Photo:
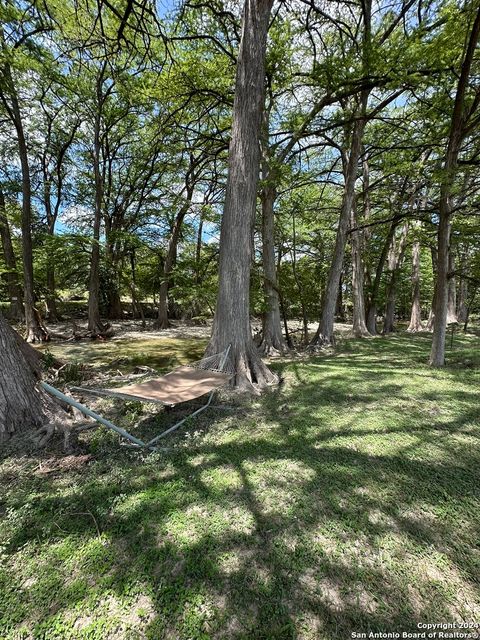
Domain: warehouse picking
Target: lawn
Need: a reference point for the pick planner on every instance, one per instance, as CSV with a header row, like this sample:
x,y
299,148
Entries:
x,y
346,500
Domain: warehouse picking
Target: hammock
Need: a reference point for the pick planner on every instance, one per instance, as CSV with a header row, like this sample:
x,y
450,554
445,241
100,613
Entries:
x,y
180,385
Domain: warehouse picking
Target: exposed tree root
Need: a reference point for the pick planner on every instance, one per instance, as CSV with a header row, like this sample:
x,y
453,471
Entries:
x,y
389,329
415,328
96,330
251,373
269,351
268,346
56,430
36,331
321,341
161,323
362,333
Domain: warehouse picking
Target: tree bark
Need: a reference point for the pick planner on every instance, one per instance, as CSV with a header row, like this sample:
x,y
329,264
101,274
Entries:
x,y
95,325
231,323
324,334
359,325
162,321
11,275
114,301
373,298
462,289
23,406
452,290
416,313
298,283
50,298
272,337
34,331
340,309
431,315
460,117
395,262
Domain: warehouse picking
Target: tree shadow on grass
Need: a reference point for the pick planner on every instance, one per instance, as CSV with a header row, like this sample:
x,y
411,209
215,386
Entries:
x,y
300,520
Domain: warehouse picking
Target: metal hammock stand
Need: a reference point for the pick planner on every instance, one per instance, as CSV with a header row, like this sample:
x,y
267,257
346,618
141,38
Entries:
x,y
180,385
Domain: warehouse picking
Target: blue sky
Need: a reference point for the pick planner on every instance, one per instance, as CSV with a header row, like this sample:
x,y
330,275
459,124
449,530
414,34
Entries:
x,y
164,6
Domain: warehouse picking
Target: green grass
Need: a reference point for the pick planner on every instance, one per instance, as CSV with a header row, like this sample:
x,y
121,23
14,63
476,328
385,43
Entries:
x,y
125,354
346,500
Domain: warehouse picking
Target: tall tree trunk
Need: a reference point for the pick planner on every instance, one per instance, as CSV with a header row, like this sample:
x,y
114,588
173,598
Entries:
x,y
359,325
460,117
324,334
373,298
34,331
95,325
162,321
114,302
198,249
431,315
416,313
462,288
452,290
114,267
272,337
340,309
23,406
297,282
469,307
11,276
395,263
50,298
231,324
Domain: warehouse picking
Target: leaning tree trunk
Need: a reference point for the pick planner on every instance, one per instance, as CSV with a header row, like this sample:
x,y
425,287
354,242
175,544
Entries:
x,y
324,334
51,313
460,117
416,313
231,323
162,321
23,406
272,336
359,326
34,331
373,298
11,276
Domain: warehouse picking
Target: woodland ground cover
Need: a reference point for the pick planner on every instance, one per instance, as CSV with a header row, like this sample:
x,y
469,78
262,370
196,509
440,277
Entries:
x,y
347,499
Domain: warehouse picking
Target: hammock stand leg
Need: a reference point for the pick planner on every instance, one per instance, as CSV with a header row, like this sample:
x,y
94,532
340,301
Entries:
x,y
88,412
179,424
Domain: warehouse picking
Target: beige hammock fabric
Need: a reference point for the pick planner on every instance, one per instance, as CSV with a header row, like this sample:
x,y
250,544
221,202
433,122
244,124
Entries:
x,y
184,383
181,385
